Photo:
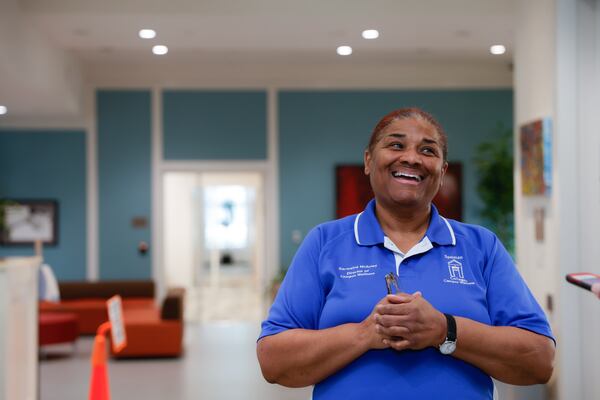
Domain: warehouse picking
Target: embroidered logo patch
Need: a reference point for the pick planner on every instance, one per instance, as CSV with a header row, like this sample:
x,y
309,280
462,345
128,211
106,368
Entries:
x,y
357,271
455,271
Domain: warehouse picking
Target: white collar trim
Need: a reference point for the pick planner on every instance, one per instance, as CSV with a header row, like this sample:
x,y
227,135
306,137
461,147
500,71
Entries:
x,y
356,228
451,230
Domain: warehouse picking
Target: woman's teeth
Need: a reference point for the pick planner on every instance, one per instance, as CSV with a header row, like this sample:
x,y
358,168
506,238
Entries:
x,y
405,175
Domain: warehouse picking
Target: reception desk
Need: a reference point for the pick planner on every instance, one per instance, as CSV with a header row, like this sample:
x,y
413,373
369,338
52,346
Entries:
x,y
19,328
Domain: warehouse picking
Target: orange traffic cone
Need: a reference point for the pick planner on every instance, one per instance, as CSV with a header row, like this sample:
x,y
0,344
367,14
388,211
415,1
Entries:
x,y
99,387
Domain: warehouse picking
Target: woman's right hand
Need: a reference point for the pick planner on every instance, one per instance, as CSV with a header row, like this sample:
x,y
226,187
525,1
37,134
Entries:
x,y
302,357
368,328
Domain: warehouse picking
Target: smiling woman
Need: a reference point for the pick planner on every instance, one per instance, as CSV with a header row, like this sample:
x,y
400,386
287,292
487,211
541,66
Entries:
x,y
406,164
462,313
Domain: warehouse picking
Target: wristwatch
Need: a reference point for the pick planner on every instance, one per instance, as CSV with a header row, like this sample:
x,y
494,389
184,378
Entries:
x,y
449,344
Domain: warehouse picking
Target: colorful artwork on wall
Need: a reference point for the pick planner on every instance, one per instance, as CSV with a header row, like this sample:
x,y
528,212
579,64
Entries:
x,y
536,158
354,191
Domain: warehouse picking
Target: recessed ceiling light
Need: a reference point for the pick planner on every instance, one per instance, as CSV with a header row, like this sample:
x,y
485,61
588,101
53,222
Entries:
x,y
147,33
160,50
344,50
3,110
497,49
370,34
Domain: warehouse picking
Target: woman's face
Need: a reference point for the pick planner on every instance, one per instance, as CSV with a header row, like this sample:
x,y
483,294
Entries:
x,y
406,165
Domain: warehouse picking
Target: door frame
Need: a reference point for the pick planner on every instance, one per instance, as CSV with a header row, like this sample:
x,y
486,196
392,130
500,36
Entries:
x,y
268,168
200,168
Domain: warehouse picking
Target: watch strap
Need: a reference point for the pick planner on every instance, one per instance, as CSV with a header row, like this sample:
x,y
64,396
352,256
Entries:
x,y
451,334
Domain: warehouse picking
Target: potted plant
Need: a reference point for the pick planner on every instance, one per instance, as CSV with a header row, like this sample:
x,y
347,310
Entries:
x,y
494,162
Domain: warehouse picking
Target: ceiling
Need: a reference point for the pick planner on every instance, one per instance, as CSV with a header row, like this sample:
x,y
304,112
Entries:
x,y
442,28
307,31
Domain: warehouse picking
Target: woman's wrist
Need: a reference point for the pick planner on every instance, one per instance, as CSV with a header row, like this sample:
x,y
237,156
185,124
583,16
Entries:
x,y
367,337
442,329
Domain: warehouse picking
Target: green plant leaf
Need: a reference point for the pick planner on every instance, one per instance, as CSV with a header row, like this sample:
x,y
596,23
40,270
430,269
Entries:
x,y
495,186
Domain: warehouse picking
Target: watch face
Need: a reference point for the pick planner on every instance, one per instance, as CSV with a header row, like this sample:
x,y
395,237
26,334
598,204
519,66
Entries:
x,y
447,347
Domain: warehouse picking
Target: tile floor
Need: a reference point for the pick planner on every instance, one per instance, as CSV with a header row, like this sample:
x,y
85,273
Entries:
x,y
219,363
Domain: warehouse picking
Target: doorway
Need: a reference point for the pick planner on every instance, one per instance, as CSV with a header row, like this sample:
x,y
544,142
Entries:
x,y
214,242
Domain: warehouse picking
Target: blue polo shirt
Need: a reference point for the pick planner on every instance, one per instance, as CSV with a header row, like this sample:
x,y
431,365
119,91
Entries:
x,y
337,277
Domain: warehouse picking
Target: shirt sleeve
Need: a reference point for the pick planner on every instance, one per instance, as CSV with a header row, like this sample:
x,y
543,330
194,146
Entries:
x,y
299,301
510,302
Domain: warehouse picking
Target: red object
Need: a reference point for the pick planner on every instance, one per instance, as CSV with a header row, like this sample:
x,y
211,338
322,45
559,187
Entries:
x,y
91,312
99,386
57,328
152,330
448,199
150,337
353,190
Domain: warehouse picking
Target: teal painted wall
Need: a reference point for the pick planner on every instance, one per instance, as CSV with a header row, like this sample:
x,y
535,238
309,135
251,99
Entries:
x,y
214,125
320,129
124,182
49,165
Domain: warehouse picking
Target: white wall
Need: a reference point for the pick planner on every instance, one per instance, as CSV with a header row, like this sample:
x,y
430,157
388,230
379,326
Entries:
x,y
556,75
292,71
178,239
534,78
589,172
36,78
534,87
578,33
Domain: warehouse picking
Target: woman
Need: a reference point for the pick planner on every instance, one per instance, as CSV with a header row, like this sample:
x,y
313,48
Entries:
x,y
463,313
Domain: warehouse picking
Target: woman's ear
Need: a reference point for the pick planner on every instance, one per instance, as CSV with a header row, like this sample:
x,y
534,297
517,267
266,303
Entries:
x,y
444,169
367,161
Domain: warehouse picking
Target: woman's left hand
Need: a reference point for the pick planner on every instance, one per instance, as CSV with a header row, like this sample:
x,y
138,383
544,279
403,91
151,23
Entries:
x,y
411,320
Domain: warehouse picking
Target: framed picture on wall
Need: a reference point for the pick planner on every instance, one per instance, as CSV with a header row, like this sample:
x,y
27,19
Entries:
x,y
536,157
353,191
25,221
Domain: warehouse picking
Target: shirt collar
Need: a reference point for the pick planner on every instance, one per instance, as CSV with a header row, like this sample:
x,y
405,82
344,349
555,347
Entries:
x,y
368,232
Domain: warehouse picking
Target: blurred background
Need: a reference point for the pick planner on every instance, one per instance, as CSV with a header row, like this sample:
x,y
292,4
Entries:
x,y
193,144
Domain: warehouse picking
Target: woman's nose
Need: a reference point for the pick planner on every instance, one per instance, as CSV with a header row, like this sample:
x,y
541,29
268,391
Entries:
x,y
411,156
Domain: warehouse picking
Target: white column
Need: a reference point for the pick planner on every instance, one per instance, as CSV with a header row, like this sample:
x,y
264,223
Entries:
x,y
272,190
156,222
534,98
578,73
569,357
92,270
557,74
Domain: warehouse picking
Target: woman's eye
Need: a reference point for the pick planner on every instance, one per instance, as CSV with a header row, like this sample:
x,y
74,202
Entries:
x,y
428,150
396,145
